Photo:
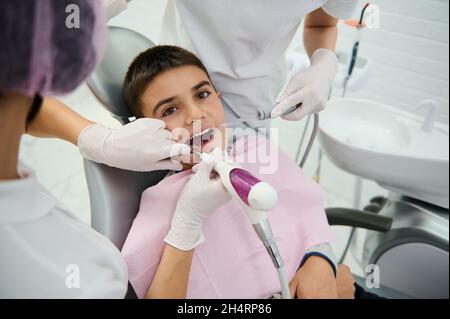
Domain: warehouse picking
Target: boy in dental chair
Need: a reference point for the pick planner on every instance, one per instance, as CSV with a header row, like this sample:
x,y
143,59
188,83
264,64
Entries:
x,y
190,239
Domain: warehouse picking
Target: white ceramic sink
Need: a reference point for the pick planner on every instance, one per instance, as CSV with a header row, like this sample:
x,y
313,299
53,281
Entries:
x,y
388,146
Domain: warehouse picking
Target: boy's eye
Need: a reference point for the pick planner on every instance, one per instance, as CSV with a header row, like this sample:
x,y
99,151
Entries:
x,y
203,95
169,111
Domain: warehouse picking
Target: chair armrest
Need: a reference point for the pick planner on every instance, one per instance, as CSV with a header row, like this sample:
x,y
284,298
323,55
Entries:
x,y
358,218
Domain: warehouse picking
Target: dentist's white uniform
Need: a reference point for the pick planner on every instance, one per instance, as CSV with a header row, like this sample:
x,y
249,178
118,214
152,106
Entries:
x,y
56,255
45,251
242,44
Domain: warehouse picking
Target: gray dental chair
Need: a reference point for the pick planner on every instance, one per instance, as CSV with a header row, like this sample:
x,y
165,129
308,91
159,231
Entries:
x,y
114,193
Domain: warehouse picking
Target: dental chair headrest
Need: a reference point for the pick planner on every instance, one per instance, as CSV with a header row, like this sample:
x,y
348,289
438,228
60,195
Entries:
x,y
115,194
107,80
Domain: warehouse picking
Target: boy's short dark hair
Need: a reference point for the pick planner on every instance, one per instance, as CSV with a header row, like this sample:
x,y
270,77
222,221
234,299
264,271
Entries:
x,y
147,65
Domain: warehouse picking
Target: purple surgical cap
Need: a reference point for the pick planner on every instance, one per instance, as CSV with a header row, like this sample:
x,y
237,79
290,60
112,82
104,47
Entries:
x,y
43,49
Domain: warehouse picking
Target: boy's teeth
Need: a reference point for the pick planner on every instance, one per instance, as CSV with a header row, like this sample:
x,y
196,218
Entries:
x,y
201,133
204,136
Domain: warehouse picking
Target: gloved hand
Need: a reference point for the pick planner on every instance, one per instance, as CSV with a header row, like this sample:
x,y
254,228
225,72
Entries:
x,y
143,145
200,197
310,87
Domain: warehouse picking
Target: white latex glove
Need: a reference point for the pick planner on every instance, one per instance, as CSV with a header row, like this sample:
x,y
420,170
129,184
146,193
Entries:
x,y
310,87
143,145
200,197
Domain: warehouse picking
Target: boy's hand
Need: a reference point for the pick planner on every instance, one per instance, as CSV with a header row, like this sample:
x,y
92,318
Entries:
x,y
314,280
345,283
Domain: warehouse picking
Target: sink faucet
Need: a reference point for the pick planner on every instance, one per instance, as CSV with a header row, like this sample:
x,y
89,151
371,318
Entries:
x,y
430,118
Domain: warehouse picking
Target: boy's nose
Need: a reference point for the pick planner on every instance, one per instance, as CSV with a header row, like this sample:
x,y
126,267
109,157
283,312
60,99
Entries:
x,y
195,113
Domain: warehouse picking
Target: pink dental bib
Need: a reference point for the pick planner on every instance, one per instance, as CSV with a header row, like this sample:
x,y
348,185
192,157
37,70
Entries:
x,y
232,262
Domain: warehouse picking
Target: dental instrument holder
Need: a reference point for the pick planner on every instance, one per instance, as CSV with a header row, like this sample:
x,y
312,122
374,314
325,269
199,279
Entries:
x,y
355,49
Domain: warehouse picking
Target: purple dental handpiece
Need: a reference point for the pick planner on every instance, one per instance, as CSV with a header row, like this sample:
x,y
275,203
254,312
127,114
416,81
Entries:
x,y
242,182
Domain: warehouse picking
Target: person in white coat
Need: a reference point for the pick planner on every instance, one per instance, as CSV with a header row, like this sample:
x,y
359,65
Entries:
x,y
243,44
45,251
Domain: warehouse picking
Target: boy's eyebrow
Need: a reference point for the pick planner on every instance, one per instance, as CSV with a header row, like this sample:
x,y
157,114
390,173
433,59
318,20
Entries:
x,y
162,102
196,87
171,99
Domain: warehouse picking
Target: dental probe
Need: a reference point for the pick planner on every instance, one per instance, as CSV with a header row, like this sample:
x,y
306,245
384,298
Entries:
x,y
262,115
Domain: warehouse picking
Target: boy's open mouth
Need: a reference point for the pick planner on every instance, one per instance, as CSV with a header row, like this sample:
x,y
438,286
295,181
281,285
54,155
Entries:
x,y
199,142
